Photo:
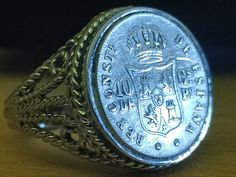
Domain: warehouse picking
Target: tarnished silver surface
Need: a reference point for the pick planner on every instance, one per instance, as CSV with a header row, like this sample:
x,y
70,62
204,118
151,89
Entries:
x,y
132,89
150,86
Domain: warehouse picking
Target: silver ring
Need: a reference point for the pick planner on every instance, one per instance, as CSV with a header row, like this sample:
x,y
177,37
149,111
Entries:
x,y
132,89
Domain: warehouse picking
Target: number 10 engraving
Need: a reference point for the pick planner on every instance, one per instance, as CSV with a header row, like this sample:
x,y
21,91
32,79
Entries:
x,y
123,87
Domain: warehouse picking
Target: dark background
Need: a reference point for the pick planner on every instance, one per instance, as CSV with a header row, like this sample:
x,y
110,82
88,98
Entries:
x,y
31,31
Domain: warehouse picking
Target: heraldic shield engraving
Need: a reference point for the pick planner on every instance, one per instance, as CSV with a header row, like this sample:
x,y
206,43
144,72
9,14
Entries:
x,y
154,82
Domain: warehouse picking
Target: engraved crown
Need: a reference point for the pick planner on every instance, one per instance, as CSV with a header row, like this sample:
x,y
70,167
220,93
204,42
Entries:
x,y
147,44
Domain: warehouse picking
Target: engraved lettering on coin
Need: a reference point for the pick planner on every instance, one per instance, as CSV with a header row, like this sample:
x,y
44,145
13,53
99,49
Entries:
x,y
123,87
196,68
130,132
179,39
199,107
121,124
197,119
200,93
110,53
186,49
139,139
112,107
199,80
186,93
106,67
190,128
108,93
153,87
106,80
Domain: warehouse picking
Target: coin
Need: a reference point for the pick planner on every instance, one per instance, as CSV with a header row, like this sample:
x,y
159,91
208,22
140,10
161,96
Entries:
x,y
149,85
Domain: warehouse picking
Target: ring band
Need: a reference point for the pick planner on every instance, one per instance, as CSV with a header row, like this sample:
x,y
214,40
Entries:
x,y
132,89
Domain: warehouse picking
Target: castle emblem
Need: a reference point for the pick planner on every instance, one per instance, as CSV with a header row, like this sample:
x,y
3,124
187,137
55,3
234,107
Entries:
x,y
154,81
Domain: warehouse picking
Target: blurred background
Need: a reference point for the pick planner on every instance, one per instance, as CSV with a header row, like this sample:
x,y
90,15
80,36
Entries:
x,y
31,31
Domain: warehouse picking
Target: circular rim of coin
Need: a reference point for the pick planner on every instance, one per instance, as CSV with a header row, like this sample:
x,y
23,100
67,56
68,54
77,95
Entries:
x,y
100,118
